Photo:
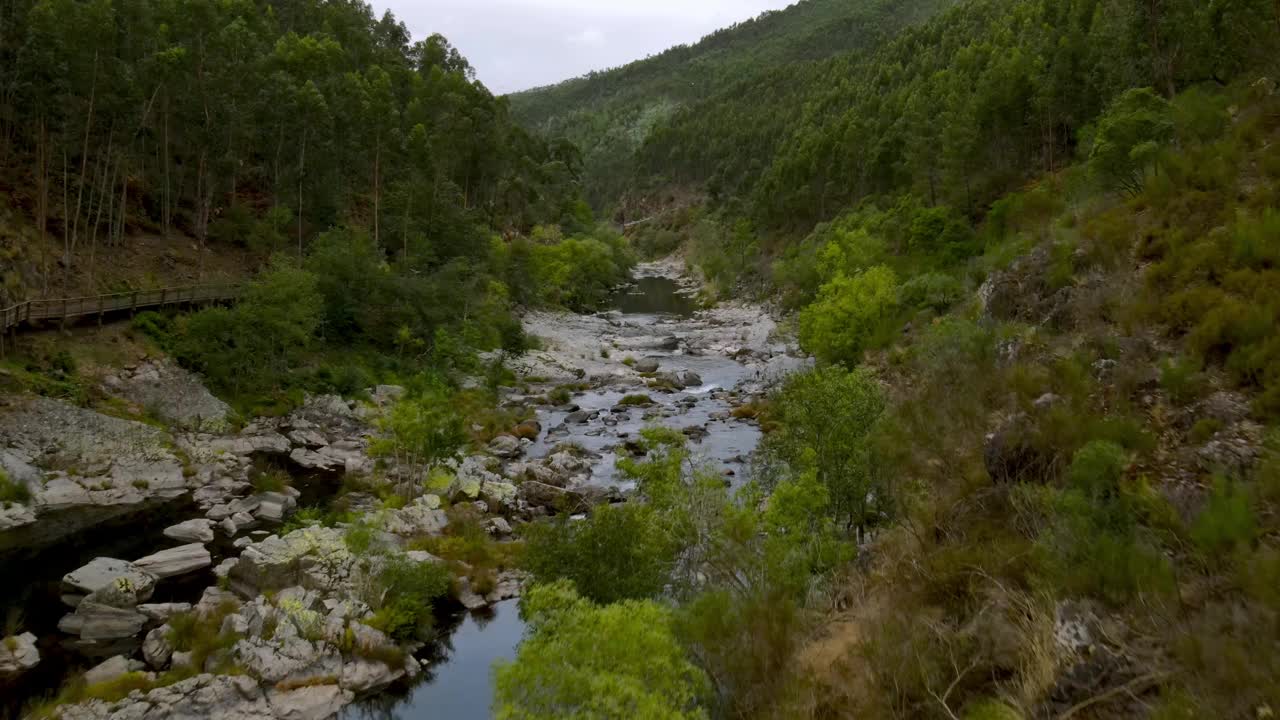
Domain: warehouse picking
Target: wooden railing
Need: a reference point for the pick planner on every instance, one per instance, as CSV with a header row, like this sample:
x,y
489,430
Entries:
x,y
64,309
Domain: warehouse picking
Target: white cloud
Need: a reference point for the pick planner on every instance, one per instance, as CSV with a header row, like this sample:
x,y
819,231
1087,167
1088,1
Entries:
x,y
518,44
590,37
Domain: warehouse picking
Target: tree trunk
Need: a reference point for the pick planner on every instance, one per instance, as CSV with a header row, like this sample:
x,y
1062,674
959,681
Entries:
x,y
377,181
84,159
302,172
42,154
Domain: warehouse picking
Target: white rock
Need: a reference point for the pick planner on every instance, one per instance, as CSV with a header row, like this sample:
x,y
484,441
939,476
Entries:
x,y
107,670
156,647
18,654
309,703
161,612
199,530
176,561
104,572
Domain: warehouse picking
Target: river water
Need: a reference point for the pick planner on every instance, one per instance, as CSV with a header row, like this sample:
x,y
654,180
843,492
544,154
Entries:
x,y
458,680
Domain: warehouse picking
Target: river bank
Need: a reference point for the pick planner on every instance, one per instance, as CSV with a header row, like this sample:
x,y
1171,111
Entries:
x,y
224,558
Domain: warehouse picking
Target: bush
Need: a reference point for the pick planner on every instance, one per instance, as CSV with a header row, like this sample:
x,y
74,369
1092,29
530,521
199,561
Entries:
x,y
826,417
1227,521
850,315
12,491
617,553
409,591
1129,138
1094,543
932,291
423,429
254,346
584,661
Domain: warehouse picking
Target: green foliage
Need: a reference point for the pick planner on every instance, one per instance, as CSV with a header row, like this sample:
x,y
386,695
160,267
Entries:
x,y
577,273
12,491
408,593
422,429
253,347
585,661
1094,543
850,315
1227,521
826,418
1129,139
932,291
617,553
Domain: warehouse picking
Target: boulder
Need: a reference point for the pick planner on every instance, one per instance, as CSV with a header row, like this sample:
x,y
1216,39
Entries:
x,y
95,620
173,394
107,670
227,697
506,446
199,530
423,517
268,443
528,430
176,561
18,654
156,648
104,572
318,702
314,557
308,438
647,365
161,612
360,675
499,494
689,379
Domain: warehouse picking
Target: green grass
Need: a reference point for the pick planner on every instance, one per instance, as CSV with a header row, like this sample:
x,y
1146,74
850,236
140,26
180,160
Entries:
x,y
13,492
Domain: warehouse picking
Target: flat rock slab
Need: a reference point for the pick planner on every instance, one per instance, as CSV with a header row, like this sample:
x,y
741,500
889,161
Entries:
x,y
18,654
199,530
177,561
103,572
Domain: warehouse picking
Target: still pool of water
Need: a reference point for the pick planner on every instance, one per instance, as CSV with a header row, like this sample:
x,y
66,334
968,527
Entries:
x,y
654,296
458,682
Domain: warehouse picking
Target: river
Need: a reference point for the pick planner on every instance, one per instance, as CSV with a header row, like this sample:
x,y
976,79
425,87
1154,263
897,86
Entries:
x,y
654,324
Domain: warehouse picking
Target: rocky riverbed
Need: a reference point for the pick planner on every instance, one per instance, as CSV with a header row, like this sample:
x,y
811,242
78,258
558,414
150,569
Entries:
x,y
139,535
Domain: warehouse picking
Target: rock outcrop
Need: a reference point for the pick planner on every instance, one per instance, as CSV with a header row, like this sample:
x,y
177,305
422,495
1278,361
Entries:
x,y
173,395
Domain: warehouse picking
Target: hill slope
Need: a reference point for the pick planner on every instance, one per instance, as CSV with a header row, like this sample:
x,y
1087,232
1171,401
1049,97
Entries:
x,y
610,114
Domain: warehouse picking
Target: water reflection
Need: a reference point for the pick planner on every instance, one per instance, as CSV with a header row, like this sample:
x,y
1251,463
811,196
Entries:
x,y
654,296
458,682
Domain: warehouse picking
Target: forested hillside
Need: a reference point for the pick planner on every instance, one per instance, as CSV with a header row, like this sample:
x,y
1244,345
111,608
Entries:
x,y
610,114
258,124
372,180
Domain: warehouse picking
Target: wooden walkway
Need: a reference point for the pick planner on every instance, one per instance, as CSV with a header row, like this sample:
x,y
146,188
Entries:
x,y
31,312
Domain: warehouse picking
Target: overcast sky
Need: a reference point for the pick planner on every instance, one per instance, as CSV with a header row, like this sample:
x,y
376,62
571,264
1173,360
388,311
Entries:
x,y
519,44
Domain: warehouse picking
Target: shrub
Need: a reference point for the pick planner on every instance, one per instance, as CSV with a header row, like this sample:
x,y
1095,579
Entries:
x,y
617,553
850,315
932,291
12,491
423,429
826,417
585,661
1094,544
408,592
1129,138
255,345
1227,521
